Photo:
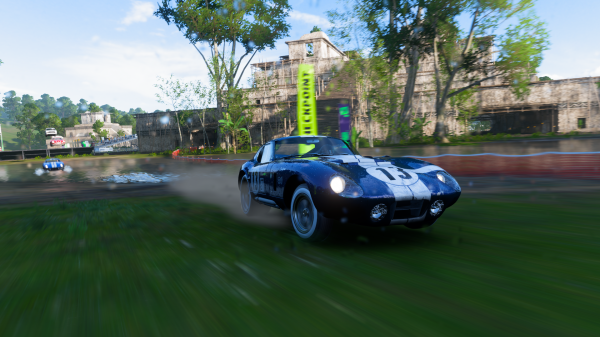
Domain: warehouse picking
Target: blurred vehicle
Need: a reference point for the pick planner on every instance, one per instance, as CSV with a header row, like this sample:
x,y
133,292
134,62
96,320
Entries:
x,y
50,132
53,164
57,140
320,179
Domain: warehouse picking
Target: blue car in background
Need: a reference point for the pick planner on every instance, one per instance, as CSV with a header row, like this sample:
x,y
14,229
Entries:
x,y
53,164
322,179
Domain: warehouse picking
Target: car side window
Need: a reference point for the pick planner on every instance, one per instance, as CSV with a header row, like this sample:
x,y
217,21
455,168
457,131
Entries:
x,y
258,156
267,153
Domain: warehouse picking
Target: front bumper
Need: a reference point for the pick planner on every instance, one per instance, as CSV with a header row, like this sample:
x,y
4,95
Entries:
x,y
358,210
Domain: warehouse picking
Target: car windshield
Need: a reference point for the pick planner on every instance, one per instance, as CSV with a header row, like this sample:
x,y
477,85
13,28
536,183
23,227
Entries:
x,y
51,160
299,146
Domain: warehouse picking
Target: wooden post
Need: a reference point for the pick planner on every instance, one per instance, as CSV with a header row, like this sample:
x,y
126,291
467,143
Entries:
x,y
285,127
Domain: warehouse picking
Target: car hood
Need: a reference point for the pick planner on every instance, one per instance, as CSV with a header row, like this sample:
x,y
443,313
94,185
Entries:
x,y
403,176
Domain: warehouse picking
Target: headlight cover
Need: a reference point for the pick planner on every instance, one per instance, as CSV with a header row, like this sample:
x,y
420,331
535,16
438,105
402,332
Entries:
x,y
337,184
447,179
347,187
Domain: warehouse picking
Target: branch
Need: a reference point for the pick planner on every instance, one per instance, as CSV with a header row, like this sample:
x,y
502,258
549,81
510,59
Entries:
x,y
478,82
243,70
472,32
205,62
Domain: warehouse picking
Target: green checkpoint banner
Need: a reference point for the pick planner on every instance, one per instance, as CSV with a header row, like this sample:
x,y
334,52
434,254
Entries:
x,y
307,104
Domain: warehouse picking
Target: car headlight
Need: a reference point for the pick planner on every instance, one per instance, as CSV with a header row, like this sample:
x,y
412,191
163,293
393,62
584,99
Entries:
x,y
448,180
345,187
338,184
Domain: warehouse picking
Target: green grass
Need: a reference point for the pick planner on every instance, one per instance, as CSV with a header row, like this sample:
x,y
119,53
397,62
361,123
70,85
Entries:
x,y
511,266
9,136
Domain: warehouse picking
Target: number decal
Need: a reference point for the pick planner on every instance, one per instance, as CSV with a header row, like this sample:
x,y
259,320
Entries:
x,y
404,175
387,174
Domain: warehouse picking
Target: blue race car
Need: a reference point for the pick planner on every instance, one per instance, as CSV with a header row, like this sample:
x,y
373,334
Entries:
x,y
53,164
323,179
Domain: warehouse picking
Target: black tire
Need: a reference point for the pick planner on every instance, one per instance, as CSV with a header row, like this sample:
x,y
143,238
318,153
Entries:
x,y
250,207
308,223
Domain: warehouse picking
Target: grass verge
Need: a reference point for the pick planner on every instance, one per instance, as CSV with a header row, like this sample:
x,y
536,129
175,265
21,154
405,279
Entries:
x,y
162,266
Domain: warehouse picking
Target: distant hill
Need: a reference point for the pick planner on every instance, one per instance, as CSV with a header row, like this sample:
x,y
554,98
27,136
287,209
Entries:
x,y
9,136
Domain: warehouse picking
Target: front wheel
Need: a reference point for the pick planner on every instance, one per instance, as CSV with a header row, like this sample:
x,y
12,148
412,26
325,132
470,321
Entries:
x,y
309,224
249,206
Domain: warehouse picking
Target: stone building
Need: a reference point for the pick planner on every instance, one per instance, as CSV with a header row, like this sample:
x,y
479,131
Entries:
x,y
79,133
558,106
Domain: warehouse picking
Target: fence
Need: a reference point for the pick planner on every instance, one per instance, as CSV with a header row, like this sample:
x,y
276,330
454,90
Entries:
x,y
563,165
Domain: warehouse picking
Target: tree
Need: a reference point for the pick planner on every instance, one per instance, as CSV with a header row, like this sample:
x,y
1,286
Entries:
x,y
199,97
93,107
26,125
128,120
46,120
65,107
225,27
545,78
82,106
71,121
97,128
468,58
465,105
46,103
172,91
28,99
12,104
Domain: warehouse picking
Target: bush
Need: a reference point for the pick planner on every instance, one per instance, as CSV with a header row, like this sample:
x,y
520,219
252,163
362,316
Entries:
x,y
38,157
105,154
153,154
551,134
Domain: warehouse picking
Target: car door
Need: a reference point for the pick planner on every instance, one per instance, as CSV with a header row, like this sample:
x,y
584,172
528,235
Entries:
x,y
259,174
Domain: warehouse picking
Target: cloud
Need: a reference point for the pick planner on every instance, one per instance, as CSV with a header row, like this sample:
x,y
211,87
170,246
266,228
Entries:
x,y
95,38
124,75
310,19
140,12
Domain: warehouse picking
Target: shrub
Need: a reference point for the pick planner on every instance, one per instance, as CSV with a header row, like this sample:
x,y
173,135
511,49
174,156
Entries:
x,y
105,154
551,134
536,134
38,157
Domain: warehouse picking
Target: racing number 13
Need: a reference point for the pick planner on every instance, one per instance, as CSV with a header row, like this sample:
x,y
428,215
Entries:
x,y
403,175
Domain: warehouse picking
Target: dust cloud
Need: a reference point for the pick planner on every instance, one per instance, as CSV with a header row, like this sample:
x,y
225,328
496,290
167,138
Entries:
x,y
217,184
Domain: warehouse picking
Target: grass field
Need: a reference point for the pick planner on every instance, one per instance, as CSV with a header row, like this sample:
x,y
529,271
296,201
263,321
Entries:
x,y
522,265
9,136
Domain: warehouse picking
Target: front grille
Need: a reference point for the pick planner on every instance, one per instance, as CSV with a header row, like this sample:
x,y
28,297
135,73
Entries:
x,y
410,209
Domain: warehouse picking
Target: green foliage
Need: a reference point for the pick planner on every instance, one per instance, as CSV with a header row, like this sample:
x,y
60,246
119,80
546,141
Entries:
x,y
93,107
97,127
26,124
12,104
46,103
545,78
315,29
467,107
120,133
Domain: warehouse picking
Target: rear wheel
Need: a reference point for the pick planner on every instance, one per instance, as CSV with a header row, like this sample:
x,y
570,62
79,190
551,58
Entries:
x,y
308,223
249,206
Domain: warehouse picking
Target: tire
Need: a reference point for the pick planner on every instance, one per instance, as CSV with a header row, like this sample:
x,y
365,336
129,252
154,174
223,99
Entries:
x,y
308,223
250,207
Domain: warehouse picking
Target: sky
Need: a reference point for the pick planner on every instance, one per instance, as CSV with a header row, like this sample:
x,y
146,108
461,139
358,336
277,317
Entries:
x,y
112,51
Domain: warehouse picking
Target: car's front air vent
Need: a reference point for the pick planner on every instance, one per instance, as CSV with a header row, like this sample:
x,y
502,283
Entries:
x,y
409,209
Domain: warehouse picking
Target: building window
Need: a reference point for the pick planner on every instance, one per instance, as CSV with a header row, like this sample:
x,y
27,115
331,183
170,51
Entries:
x,y
309,50
71,134
258,101
581,123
